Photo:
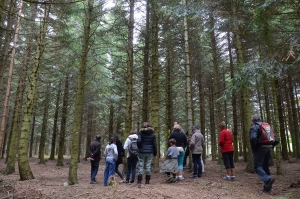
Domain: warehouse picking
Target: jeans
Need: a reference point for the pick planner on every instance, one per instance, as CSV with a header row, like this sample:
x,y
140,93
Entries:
x,y
261,159
197,164
117,171
187,153
145,158
180,160
109,169
94,170
131,167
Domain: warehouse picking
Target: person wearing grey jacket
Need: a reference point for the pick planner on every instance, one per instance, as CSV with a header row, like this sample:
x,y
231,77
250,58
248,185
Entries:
x,y
196,144
111,156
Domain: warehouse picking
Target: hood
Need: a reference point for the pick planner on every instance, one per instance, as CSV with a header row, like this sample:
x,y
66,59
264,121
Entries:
x,y
133,136
147,130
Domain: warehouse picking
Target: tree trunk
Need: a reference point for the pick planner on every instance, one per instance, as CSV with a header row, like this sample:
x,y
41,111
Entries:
x,y
189,119
129,74
63,123
32,137
246,113
294,115
72,179
212,122
145,106
3,61
111,121
6,43
233,102
55,126
216,78
89,130
24,168
281,122
44,126
155,81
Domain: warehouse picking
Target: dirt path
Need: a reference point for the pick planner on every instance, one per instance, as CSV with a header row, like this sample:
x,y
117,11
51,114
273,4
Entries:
x,y
49,179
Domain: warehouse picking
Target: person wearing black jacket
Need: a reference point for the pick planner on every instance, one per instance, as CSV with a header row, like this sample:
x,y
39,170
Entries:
x,y
120,157
261,154
147,150
95,157
181,143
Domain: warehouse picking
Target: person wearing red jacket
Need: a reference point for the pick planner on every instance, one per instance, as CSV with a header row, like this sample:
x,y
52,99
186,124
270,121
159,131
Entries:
x,y
227,149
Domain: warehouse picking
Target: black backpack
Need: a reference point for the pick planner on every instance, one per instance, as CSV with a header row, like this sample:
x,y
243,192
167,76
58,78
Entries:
x,y
133,148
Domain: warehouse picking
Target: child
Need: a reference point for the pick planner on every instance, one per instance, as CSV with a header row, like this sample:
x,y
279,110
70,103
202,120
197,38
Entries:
x,y
111,156
171,163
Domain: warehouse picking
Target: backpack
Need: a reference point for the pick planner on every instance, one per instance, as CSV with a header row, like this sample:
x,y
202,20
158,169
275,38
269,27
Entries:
x,y
133,148
267,136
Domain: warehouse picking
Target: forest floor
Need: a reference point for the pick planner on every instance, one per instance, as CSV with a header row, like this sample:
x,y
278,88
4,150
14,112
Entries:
x,y
49,183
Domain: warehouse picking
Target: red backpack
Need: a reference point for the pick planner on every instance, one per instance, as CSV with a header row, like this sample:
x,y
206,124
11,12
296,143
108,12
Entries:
x,y
267,136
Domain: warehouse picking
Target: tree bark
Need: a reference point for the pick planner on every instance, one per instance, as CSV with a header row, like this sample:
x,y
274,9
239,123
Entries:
x,y
129,74
55,126
246,113
63,123
155,81
24,168
72,178
44,126
145,106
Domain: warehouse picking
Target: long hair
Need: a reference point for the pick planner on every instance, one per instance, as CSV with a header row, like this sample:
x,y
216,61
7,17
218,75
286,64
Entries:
x,y
112,140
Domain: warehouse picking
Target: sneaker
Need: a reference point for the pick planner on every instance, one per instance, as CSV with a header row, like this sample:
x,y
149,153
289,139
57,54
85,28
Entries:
x,y
232,178
122,181
193,176
180,178
131,181
92,182
268,185
226,178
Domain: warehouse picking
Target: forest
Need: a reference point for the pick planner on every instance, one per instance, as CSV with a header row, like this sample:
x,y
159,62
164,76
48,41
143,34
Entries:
x,y
74,69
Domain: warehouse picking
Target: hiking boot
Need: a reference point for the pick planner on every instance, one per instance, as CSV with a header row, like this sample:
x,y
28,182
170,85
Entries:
x,y
140,177
268,185
226,178
193,176
131,181
92,182
147,179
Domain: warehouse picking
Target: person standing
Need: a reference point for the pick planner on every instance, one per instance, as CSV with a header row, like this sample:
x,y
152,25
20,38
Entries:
x,y
95,156
147,150
111,156
181,143
261,153
227,150
120,157
196,144
132,157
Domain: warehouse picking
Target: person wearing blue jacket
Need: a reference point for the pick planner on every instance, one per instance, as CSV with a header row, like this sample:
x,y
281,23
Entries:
x,y
147,150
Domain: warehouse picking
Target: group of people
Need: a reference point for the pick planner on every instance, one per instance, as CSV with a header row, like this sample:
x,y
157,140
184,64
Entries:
x,y
145,142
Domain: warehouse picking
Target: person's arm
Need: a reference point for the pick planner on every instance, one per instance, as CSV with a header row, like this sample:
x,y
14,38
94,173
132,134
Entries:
x,y
192,142
126,144
115,152
221,138
254,135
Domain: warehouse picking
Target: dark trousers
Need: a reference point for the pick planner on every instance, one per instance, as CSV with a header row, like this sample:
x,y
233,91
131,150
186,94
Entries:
x,y
197,164
94,169
131,168
261,160
187,153
117,170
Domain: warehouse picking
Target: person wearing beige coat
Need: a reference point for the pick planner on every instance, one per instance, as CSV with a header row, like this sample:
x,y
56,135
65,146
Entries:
x,y
196,144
